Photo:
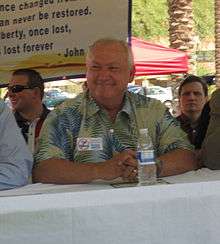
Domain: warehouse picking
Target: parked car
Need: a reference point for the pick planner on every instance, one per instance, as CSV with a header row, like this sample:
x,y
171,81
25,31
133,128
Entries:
x,y
164,94
54,97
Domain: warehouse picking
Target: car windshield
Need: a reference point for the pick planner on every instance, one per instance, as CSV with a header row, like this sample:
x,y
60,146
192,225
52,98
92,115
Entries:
x,y
163,94
54,97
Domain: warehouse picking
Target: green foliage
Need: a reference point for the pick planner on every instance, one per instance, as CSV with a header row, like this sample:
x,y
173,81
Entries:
x,y
150,18
202,70
203,11
211,89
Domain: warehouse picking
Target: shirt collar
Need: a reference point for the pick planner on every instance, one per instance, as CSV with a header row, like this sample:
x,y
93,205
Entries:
x,y
92,107
20,118
184,118
188,122
127,104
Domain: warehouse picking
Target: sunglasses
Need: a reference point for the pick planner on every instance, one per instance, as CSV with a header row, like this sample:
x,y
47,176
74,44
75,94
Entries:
x,y
18,88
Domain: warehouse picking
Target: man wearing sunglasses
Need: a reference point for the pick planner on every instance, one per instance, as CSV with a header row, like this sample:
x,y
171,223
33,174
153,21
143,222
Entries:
x,y
26,91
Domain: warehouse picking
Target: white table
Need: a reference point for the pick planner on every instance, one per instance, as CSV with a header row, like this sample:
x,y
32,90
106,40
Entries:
x,y
176,213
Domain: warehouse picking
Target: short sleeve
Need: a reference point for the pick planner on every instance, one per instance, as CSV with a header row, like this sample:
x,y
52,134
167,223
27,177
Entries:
x,y
170,135
50,139
15,158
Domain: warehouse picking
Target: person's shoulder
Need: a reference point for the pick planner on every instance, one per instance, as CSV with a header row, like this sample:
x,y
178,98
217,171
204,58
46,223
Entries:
x,y
217,92
150,109
215,102
142,99
70,105
3,106
183,119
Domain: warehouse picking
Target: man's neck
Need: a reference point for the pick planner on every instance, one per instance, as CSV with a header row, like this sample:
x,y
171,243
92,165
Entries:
x,y
112,111
193,117
32,114
112,107
112,114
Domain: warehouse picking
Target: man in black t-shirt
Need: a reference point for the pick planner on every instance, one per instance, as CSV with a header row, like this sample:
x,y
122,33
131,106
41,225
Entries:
x,y
194,117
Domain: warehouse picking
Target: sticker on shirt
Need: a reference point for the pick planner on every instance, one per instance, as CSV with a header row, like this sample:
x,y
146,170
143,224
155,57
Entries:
x,y
89,144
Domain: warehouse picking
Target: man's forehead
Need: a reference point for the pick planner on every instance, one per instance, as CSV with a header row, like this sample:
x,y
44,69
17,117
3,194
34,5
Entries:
x,y
108,48
21,79
108,45
193,86
104,62
110,55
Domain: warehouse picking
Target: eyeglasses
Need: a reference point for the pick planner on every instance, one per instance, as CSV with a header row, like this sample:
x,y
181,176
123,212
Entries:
x,y
18,88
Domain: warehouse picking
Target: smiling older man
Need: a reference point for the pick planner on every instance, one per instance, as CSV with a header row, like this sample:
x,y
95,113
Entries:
x,y
94,136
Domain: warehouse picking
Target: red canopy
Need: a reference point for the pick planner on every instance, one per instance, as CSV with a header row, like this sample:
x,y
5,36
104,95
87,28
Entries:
x,y
153,59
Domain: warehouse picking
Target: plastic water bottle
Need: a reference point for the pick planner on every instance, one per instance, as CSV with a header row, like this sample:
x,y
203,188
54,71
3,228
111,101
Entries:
x,y
146,160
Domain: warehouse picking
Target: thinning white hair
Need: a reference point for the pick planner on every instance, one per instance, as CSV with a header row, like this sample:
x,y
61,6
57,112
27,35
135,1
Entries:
x,y
123,44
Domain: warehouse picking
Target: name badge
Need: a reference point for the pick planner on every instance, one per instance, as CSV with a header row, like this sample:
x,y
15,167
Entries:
x,y
89,144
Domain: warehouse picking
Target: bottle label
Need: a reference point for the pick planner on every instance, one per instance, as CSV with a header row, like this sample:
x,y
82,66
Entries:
x,y
145,157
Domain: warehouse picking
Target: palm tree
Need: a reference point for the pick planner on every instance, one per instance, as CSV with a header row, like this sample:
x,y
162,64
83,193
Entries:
x,y
181,29
217,41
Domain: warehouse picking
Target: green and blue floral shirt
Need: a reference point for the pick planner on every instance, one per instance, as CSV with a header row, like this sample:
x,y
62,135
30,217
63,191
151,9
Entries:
x,y
81,131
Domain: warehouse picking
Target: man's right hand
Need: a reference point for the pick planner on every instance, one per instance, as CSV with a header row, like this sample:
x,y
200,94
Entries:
x,y
122,164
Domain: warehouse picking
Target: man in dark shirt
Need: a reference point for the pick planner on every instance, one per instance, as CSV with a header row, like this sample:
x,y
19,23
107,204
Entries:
x,y
210,147
26,91
194,117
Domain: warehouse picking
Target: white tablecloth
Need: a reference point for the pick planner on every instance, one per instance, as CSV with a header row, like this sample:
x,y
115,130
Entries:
x,y
176,213
201,175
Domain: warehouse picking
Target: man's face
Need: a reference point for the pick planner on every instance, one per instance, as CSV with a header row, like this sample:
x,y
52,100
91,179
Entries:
x,y
22,100
108,73
192,98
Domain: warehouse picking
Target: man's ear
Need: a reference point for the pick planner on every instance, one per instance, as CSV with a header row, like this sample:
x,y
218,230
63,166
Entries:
x,y
37,92
132,72
85,86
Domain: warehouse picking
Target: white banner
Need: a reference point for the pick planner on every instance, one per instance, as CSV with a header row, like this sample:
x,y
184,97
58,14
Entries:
x,y
52,36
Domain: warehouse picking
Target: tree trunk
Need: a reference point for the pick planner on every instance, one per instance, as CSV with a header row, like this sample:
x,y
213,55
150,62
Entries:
x,y
181,29
217,41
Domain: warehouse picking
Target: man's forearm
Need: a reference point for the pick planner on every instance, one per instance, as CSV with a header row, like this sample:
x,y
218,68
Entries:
x,y
177,162
60,171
